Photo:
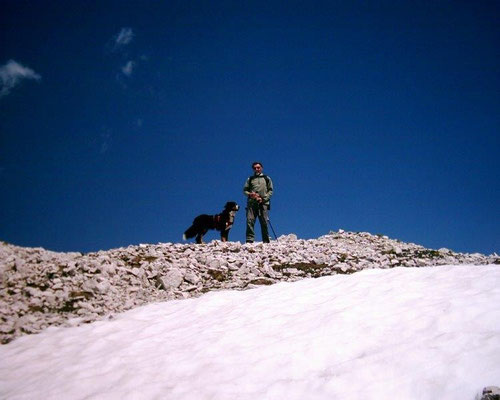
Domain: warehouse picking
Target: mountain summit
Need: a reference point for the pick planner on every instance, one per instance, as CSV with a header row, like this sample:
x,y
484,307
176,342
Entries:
x,y
41,288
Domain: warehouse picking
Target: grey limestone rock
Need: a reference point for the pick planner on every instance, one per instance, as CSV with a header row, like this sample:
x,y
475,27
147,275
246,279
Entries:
x,y
172,279
489,393
41,288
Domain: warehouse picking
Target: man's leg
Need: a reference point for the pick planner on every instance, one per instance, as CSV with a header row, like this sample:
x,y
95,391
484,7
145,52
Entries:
x,y
250,233
263,224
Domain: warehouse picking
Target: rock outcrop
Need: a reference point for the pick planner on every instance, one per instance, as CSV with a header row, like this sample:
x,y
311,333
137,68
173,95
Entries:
x,y
490,393
40,288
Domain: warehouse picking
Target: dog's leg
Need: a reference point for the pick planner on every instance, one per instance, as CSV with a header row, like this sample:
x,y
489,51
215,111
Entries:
x,y
199,237
224,235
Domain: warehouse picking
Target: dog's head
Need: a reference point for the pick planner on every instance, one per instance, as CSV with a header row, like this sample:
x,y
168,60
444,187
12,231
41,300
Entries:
x,y
231,206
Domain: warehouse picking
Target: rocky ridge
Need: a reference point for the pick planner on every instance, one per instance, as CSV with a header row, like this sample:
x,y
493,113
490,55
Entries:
x,y
40,288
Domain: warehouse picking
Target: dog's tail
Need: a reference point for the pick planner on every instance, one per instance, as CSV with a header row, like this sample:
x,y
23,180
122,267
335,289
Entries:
x,y
190,233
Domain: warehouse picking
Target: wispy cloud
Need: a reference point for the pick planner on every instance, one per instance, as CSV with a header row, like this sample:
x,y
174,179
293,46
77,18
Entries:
x,y
11,75
128,68
124,37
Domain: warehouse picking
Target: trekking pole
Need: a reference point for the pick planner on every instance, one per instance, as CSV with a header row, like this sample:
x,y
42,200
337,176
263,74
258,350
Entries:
x,y
274,233
266,215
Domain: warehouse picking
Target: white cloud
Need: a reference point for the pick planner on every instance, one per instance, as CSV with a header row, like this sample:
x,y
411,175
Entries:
x,y
124,37
128,68
11,75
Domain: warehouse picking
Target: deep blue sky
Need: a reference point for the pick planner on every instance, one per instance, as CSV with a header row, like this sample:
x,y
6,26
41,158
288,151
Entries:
x,y
121,121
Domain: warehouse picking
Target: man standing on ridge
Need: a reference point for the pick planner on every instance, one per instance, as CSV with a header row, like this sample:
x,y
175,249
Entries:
x,y
258,189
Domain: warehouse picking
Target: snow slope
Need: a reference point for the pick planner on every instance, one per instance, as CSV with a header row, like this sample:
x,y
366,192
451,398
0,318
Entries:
x,y
405,333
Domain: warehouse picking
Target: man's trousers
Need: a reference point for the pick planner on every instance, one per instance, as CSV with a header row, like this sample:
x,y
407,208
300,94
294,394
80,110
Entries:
x,y
256,210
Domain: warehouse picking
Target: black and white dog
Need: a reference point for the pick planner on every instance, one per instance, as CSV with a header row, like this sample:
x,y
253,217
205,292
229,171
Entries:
x,y
222,222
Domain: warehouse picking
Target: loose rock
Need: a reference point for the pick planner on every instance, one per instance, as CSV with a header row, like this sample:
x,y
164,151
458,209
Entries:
x,y
41,288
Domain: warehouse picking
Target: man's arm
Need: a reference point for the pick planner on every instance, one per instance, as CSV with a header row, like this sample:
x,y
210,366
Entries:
x,y
246,188
269,191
